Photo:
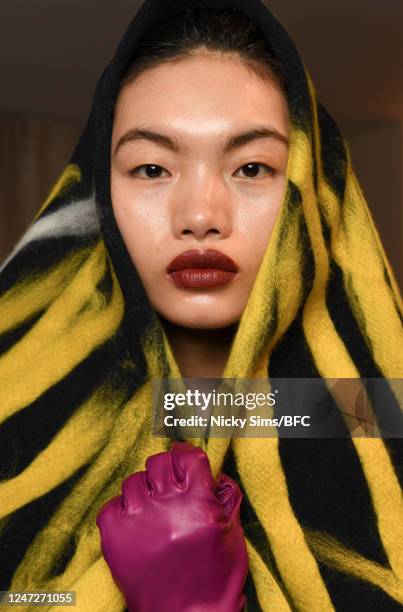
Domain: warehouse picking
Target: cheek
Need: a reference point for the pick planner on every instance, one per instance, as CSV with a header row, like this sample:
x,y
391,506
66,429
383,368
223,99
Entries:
x,y
143,223
255,220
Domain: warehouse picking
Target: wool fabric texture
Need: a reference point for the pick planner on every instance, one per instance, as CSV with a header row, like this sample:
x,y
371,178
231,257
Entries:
x,y
80,346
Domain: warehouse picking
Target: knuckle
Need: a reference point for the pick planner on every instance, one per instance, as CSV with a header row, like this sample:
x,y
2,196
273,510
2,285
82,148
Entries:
x,y
159,460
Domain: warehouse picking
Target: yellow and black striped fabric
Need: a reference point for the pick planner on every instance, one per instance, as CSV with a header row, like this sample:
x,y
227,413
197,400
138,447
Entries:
x,y
80,345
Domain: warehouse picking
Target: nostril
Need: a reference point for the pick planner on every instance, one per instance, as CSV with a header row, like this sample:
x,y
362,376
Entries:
x,y
201,233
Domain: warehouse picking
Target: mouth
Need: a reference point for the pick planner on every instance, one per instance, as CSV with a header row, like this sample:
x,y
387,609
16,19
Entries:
x,y
202,270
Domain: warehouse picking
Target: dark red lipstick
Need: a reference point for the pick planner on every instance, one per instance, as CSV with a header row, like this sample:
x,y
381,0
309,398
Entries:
x,y
196,270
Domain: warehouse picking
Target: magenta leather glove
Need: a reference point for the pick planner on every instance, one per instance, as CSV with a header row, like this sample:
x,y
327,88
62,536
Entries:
x,y
173,540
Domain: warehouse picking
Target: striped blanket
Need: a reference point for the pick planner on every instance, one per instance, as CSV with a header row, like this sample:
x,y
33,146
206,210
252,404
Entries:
x,y
80,346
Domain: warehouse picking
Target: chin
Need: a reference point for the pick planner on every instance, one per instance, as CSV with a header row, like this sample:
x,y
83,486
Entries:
x,y
195,320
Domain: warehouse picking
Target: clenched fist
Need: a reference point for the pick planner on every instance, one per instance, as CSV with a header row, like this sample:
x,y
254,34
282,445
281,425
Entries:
x,y
173,540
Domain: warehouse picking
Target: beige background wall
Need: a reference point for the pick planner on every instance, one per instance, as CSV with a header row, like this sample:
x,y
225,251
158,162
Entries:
x,y
377,155
32,154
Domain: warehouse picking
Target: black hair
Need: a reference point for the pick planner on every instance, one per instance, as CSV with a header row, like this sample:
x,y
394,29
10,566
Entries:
x,y
225,31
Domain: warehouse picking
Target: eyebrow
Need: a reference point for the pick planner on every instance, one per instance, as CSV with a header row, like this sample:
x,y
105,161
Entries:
x,y
234,142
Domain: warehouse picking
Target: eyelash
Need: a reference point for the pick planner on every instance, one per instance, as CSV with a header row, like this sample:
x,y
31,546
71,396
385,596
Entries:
x,y
134,172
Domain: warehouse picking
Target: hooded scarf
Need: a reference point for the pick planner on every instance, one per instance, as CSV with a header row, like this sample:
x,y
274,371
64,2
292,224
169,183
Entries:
x,y
81,345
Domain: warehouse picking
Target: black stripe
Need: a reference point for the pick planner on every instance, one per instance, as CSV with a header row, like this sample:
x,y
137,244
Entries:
x,y
347,326
11,337
41,256
388,412
292,358
308,271
389,284
292,201
395,450
349,594
105,285
333,153
252,601
325,231
65,555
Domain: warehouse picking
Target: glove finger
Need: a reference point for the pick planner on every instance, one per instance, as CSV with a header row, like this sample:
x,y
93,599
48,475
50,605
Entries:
x,y
135,491
193,463
160,473
229,494
110,529
109,511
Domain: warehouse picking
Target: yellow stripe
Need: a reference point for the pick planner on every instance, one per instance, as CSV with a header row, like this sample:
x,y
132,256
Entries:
x,y
32,295
371,224
386,497
96,591
62,338
270,596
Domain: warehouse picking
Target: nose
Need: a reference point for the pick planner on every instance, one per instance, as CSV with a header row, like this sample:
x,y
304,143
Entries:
x,y
201,209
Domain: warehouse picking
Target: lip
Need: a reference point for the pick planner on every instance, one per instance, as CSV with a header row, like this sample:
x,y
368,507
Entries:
x,y
202,269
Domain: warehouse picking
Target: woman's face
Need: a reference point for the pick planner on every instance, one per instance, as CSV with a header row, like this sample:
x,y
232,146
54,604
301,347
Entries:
x,y
199,159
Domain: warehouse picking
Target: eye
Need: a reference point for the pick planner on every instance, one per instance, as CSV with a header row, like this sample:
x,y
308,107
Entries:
x,y
149,171
254,169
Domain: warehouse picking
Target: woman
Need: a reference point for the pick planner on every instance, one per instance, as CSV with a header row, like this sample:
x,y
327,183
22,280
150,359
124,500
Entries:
x,y
321,517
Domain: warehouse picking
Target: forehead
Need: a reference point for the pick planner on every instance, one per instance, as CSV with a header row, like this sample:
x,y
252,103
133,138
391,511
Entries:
x,y
206,94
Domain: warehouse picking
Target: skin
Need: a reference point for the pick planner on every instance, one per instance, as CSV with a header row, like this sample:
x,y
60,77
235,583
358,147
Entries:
x,y
200,196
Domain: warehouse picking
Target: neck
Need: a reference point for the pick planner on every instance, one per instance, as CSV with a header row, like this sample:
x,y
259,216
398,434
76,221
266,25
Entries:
x,y
200,353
